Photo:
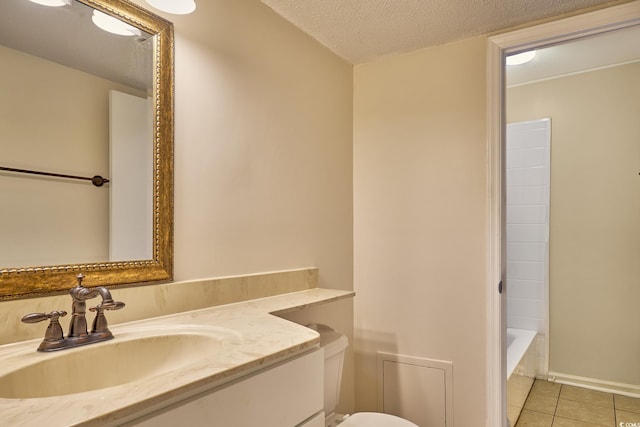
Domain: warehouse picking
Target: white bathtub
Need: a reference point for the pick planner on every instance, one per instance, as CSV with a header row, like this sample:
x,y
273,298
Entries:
x,y
521,369
521,352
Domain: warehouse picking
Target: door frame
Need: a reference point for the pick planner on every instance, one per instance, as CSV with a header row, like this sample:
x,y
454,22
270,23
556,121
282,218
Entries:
x,y
563,30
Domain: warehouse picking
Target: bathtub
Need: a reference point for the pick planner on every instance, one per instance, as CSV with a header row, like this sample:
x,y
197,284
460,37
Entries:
x,y
521,369
521,352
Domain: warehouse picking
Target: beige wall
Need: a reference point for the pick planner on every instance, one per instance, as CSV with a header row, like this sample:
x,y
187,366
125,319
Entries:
x,y
420,202
263,147
595,218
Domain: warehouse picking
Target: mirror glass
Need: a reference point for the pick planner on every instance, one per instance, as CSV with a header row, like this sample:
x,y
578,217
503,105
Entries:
x,y
86,141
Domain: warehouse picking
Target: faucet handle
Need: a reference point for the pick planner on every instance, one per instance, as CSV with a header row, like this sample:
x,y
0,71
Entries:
x,y
54,335
39,317
100,325
110,305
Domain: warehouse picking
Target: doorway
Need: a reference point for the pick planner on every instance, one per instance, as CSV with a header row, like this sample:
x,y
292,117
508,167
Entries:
x,y
569,29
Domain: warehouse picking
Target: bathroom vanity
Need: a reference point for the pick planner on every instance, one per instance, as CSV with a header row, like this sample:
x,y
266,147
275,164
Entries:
x,y
219,363
287,394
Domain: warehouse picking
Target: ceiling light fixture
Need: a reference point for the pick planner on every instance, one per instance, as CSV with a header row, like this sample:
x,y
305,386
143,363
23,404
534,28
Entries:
x,y
53,3
114,25
178,7
521,58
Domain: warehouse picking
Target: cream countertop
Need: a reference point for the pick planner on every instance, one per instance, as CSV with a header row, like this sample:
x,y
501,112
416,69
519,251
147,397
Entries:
x,y
256,339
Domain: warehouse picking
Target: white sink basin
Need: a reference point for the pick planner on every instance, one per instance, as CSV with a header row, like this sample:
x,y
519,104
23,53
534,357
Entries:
x,y
131,356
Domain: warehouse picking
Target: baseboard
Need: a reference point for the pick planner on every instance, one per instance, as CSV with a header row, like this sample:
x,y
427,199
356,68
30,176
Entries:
x,y
631,390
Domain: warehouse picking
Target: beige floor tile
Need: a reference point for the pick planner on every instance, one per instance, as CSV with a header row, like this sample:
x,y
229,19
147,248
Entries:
x,y
582,411
625,403
513,412
567,422
518,388
534,419
542,404
585,395
545,388
624,417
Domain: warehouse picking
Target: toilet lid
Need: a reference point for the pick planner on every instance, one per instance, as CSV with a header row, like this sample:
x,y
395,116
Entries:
x,y
375,419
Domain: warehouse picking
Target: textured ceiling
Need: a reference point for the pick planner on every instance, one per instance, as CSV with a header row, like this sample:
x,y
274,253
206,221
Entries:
x,y
363,30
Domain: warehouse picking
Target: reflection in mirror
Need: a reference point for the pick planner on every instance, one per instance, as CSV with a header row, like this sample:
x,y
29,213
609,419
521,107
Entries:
x,y
82,99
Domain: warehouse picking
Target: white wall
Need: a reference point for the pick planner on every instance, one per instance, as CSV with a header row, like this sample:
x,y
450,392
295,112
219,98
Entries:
x,y
528,157
420,202
527,182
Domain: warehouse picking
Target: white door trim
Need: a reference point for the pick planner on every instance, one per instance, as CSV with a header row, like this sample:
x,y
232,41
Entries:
x,y
498,46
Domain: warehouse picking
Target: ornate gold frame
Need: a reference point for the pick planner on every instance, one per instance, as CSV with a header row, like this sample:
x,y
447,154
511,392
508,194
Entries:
x,y
36,281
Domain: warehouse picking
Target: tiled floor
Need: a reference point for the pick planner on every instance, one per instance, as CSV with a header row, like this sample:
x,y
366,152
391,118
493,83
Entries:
x,y
555,405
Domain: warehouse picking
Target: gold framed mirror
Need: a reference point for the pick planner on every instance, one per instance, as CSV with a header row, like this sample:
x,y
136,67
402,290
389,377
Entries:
x,y
23,279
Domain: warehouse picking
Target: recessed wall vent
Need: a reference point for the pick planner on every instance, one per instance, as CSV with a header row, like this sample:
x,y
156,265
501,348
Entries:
x,y
417,389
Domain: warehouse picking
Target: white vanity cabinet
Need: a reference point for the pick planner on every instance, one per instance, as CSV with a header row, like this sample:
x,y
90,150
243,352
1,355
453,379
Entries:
x,y
287,394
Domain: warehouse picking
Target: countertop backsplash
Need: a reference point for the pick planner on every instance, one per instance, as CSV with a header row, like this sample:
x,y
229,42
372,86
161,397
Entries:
x,y
144,302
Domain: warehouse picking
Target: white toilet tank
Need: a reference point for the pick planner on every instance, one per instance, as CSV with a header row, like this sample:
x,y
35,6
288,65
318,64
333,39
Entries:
x,y
334,345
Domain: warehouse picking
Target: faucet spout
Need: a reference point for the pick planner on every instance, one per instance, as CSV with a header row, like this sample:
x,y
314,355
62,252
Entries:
x,y
80,294
105,294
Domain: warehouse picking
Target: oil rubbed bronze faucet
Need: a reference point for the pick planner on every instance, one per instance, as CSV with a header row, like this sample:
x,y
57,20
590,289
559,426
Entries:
x,y
78,335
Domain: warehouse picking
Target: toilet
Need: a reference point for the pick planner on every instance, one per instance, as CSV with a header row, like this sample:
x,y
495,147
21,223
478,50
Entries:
x,y
334,345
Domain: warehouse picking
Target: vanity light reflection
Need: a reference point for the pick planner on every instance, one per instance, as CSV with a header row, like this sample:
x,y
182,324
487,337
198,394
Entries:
x,y
102,20
52,3
113,25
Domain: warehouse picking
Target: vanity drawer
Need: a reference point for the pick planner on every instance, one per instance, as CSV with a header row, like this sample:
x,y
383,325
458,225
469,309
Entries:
x,y
287,395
